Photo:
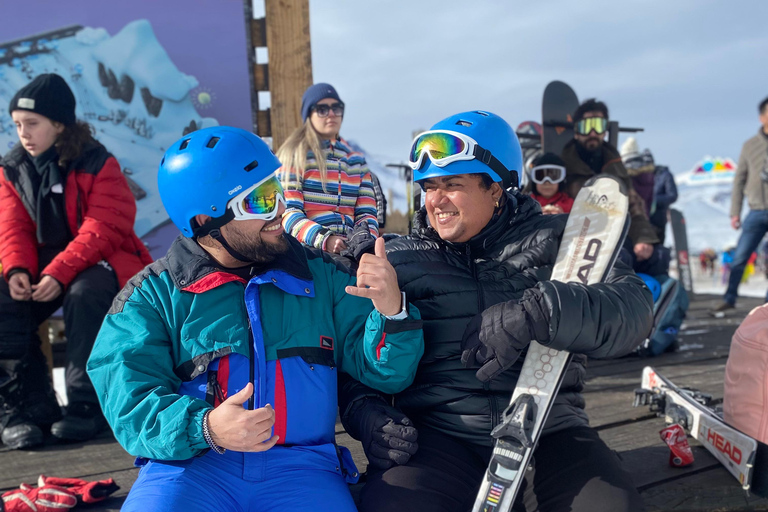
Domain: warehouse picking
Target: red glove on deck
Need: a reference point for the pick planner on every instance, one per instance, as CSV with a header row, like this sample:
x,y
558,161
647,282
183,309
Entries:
x,y
45,498
55,494
86,492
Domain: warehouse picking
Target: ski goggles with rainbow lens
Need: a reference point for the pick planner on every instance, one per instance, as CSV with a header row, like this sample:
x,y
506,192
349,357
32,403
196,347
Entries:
x,y
261,201
443,147
548,172
587,125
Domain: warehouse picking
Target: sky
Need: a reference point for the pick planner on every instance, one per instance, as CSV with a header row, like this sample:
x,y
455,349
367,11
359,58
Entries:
x,y
691,72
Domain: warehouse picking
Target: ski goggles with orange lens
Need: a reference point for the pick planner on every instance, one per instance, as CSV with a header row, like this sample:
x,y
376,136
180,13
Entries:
x,y
261,201
548,172
587,125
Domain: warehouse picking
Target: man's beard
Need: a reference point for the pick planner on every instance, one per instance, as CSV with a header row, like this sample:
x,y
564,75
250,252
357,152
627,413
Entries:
x,y
592,144
255,248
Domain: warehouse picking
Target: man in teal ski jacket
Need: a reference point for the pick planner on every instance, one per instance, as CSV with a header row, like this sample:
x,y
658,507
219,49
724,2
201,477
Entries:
x,y
217,364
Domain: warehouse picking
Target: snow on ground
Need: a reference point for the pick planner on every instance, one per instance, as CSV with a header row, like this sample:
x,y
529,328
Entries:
x,y
705,284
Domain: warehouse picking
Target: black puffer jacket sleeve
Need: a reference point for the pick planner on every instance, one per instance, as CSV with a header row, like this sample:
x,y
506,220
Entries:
x,y
602,320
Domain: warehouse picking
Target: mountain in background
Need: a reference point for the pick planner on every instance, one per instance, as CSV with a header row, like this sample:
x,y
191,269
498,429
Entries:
x,y
704,197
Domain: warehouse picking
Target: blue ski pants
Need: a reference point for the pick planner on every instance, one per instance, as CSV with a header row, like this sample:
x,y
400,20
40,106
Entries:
x,y
280,479
753,230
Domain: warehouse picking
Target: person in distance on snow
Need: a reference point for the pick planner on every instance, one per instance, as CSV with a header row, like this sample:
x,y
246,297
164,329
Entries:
x,y
217,364
751,178
330,195
546,184
589,154
66,238
477,265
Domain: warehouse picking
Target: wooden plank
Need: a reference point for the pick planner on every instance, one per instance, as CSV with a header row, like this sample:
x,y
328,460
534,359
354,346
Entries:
x,y
609,398
263,124
712,490
290,63
713,333
712,369
81,460
261,77
645,456
258,33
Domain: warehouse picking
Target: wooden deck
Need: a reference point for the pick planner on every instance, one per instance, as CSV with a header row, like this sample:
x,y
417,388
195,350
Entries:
x,y
633,433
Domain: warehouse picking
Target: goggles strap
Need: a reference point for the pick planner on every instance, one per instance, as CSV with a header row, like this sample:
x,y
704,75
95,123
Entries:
x,y
508,178
212,227
216,235
214,223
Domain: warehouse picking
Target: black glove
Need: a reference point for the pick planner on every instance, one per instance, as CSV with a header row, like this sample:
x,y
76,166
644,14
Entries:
x,y
495,338
387,435
359,241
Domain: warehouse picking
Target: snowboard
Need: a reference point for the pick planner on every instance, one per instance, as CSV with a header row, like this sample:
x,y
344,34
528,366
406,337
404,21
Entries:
x,y
593,236
529,133
558,106
688,408
680,236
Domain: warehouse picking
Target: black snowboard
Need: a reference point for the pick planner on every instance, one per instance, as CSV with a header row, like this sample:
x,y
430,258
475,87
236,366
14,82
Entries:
x,y
680,236
558,106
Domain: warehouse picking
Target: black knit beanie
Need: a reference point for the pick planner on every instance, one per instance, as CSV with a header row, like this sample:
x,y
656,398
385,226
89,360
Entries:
x,y
47,95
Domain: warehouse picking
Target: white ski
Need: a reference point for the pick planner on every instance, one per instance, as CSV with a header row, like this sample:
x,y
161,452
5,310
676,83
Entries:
x,y
688,407
593,236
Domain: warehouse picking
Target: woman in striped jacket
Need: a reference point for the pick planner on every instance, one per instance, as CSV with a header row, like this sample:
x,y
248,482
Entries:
x,y
331,195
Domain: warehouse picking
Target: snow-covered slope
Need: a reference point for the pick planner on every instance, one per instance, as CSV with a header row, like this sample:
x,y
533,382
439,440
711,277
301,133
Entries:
x,y
705,200
126,86
391,179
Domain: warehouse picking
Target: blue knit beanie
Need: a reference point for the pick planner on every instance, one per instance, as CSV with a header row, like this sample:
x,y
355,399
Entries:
x,y
314,94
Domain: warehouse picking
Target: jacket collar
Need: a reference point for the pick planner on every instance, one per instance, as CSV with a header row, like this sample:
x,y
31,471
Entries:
x,y
192,269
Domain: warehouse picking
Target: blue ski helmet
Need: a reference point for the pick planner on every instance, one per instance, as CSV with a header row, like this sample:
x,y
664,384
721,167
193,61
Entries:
x,y
203,170
652,283
493,134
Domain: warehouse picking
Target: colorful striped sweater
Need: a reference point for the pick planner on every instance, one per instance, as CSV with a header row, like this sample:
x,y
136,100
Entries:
x,y
314,214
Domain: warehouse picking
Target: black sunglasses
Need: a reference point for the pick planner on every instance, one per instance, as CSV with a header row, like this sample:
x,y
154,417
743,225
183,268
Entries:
x,y
324,110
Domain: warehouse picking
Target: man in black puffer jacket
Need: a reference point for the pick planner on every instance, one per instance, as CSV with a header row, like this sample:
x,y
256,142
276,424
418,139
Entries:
x,y
477,266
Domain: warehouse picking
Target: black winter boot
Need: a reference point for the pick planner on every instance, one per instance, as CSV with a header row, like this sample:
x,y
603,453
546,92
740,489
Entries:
x,y
22,416
82,421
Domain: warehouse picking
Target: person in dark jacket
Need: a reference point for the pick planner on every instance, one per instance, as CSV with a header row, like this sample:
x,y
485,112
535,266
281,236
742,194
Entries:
x,y
664,195
66,239
589,154
477,265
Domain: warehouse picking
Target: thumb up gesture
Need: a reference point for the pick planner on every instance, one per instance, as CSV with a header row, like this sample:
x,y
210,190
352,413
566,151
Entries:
x,y
377,280
241,430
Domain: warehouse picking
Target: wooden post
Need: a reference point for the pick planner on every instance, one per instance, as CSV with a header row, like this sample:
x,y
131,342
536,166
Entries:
x,y
289,71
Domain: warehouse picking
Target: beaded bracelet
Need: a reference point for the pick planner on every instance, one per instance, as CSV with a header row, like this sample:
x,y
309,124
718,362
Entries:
x,y
207,436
